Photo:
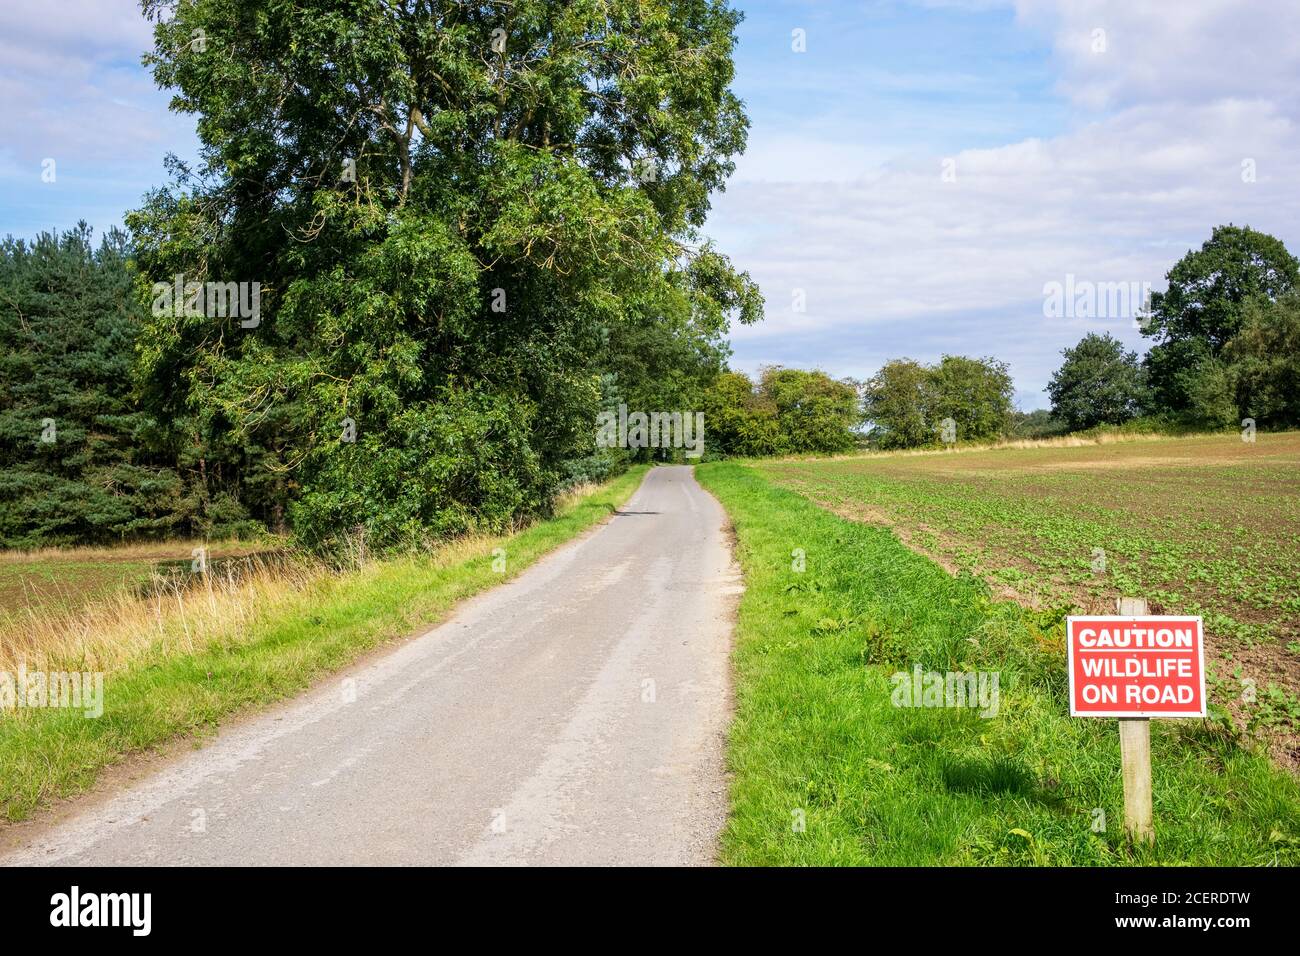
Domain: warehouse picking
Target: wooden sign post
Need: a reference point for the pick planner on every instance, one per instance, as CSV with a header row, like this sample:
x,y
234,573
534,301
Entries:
x,y
1135,754
1134,666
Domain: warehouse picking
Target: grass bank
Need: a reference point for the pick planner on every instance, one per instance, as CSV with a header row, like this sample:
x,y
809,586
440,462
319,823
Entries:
x,y
261,641
827,770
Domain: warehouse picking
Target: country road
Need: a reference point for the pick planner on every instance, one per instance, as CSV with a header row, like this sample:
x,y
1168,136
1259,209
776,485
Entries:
x,y
574,715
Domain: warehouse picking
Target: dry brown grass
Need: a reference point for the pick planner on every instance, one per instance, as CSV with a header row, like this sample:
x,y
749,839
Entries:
x,y
182,616
140,551
1059,441
177,616
186,613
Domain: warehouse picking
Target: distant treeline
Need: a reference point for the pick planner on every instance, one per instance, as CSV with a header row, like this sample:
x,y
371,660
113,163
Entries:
x,y
1226,351
97,446
904,405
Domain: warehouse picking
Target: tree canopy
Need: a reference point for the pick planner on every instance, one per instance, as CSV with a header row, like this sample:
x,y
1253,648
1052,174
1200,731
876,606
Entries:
x,y
789,411
910,405
75,456
1204,305
1098,384
1264,357
461,216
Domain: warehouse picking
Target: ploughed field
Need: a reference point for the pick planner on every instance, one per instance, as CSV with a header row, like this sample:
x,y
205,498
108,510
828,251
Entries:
x,y
65,579
1205,525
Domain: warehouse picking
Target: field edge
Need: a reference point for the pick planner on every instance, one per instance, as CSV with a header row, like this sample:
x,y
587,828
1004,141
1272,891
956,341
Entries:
x,y
828,770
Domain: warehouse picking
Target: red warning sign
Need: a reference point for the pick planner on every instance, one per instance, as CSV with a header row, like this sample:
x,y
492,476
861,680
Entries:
x,y
1136,666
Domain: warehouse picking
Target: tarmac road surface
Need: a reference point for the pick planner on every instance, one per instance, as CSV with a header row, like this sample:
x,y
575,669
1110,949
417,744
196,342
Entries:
x,y
574,715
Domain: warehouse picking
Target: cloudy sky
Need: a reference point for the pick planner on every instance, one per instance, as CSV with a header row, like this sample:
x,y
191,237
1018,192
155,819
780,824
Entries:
x,y
916,174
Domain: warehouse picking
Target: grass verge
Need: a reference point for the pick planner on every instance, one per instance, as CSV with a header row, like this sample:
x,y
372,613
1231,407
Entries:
x,y
827,771
271,645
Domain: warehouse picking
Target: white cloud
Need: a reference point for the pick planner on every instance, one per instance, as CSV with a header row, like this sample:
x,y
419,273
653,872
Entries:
x,y
895,261
71,86
1184,52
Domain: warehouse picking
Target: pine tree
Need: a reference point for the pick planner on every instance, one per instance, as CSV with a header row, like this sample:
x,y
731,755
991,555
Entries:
x,y
73,463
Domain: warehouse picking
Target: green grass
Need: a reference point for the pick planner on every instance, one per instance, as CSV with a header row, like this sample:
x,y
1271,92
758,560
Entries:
x,y
1205,525
817,738
51,753
1209,525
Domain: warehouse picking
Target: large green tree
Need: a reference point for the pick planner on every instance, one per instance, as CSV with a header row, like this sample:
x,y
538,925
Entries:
x,y
1265,362
461,215
975,393
738,420
897,403
814,412
789,411
909,404
1098,383
1203,308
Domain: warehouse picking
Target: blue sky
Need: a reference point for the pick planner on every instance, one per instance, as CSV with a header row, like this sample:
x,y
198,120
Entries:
x,y
891,78
915,177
